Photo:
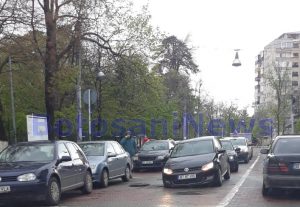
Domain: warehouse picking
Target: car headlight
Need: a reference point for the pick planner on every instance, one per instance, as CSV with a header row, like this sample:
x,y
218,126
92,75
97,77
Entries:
x,y
168,171
207,166
231,157
160,157
26,177
135,158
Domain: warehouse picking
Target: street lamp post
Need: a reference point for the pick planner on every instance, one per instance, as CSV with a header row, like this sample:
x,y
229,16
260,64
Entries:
x,y
12,100
100,77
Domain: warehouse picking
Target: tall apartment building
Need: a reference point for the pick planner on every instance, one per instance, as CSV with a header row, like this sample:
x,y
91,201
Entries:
x,y
280,56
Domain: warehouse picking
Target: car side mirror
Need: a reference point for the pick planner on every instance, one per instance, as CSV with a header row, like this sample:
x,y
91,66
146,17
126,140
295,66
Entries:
x,y
220,151
110,154
65,159
238,150
264,151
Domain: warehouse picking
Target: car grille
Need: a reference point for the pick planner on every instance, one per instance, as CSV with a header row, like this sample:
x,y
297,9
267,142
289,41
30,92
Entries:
x,y
148,158
9,179
190,169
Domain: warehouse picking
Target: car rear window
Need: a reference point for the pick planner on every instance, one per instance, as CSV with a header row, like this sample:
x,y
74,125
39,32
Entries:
x,y
287,146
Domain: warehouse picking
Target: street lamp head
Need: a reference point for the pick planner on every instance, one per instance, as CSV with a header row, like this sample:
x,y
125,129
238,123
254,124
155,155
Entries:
x,y
100,75
236,61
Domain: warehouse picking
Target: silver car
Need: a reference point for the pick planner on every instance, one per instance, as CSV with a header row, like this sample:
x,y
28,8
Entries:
x,y
108,160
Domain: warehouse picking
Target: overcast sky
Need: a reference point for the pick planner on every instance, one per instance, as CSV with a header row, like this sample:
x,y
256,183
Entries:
x,y
216,28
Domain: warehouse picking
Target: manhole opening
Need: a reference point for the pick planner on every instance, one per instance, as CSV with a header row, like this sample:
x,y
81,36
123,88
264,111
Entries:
x,y
139,185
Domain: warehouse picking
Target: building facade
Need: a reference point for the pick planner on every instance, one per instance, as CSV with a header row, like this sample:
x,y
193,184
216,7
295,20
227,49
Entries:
x,y
277,74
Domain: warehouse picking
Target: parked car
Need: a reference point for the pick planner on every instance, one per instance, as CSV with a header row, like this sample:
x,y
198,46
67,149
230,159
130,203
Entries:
x,y
197,161
108,160
246,150
232,154
153,154
281,167
43,170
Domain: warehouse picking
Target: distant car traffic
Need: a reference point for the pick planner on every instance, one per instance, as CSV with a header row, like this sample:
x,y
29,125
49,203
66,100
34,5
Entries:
x,y
43,170
153,154
108,160
246,150
232,154
282,165
196,161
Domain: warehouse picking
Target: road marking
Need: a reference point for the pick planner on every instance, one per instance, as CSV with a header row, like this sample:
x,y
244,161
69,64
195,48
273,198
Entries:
x,y
236,188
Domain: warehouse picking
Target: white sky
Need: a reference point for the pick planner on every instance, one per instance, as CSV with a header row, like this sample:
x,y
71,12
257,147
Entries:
x,y
217,27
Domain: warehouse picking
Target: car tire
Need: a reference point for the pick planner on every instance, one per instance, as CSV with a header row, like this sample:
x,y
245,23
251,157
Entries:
x,y
218,178
104,179
126,176
53,192
265,191
166,185
236,168
227,174
88,183
246,160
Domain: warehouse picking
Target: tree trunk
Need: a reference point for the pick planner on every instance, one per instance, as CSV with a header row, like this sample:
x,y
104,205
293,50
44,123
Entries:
x,y
2,131
51,67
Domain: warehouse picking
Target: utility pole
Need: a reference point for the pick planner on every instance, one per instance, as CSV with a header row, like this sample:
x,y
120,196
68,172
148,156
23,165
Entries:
x,y
12,100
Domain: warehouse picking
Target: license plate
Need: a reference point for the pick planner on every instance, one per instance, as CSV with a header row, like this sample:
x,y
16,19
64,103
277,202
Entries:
x,y
4,189
296,166
147,162
188,176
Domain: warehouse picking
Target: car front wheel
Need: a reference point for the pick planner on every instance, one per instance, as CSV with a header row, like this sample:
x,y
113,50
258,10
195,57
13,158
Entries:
x,y
126,176
265,191
88,184
104,179
53,192
218,178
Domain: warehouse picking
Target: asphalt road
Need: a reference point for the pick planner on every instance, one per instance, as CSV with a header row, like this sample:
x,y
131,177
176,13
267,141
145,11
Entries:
x,y
146,190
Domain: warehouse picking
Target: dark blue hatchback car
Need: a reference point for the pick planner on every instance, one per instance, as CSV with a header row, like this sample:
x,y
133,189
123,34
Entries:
x,y
43,170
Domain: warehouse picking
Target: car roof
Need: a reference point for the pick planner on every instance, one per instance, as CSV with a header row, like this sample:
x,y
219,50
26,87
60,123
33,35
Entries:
x,y
42,142
229,138
198,139
95,142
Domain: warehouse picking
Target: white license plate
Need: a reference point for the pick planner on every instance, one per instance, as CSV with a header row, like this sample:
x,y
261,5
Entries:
x,y
296,166
4,189
147,162
188,176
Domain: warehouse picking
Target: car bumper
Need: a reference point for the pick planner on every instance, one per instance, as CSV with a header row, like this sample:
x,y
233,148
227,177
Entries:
x,y
201,178
282,181
137,164
26,190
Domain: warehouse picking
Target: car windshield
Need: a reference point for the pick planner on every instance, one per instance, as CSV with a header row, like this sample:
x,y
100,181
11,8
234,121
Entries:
x,y
28,153
287,146
240,142
155,146
227,145
193,148
93,149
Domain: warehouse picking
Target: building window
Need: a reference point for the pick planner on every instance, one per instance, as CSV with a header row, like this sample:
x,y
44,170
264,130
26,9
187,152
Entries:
x,y
295,74
295,65
295,45
294,83
295,54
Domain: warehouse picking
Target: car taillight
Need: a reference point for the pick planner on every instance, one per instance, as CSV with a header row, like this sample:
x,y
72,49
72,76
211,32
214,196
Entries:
x,y
275,168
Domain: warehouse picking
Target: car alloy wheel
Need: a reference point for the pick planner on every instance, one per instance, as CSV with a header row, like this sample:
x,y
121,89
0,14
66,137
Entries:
x,y
53,192
88,183
104,179
126,176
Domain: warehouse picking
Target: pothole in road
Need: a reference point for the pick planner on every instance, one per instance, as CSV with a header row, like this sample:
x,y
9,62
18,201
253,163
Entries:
x,y
139,184
189,193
